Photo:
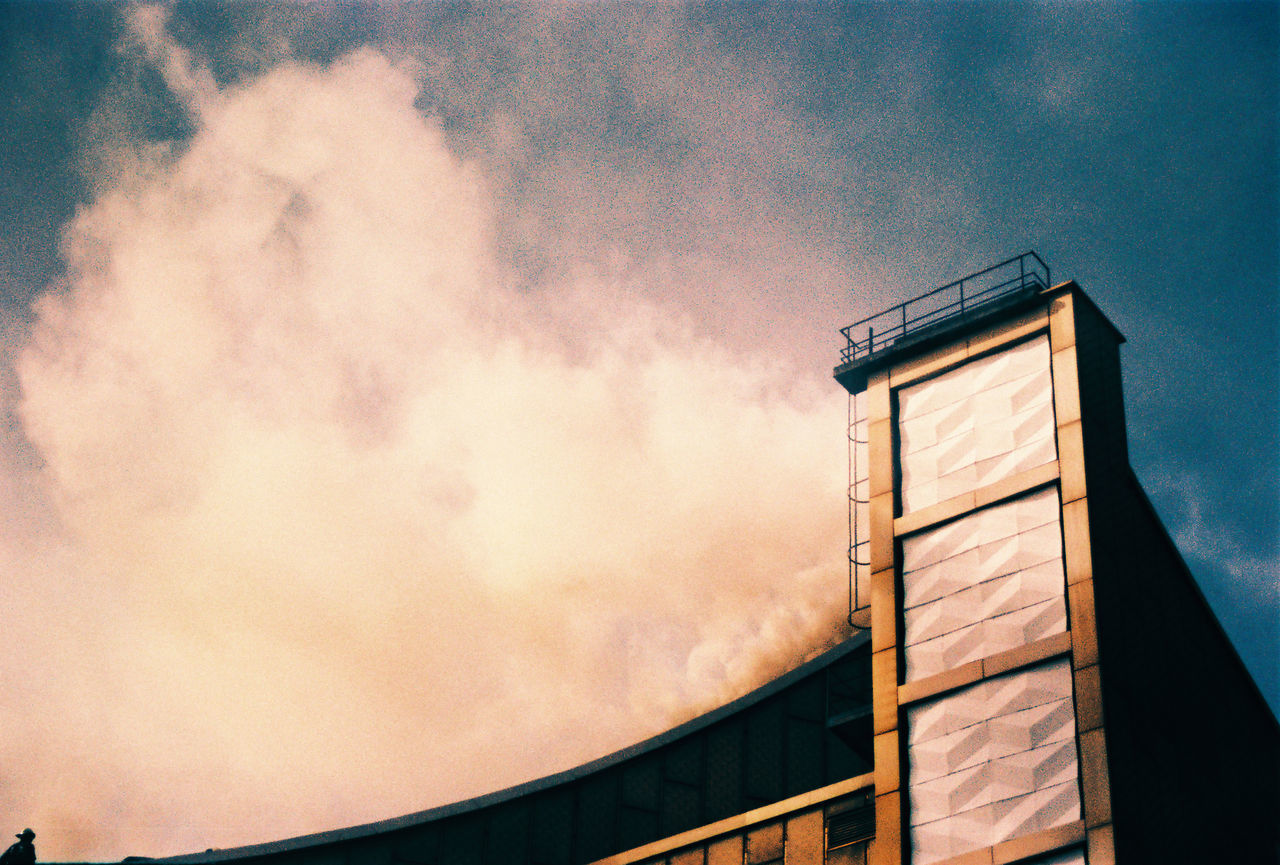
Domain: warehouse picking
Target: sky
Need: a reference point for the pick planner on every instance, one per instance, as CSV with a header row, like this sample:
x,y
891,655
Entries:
x,y
405,401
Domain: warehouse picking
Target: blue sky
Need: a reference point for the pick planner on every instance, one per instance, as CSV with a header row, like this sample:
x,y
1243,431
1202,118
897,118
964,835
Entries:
x,y
663,210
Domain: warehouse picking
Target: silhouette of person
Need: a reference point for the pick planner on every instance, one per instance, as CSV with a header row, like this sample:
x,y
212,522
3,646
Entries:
x,y
22,853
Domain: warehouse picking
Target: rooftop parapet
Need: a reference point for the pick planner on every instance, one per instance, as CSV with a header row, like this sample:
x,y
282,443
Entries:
x,y
969,296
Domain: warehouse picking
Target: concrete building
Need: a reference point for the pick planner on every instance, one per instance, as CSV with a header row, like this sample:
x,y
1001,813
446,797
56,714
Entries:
x,y
1035,676
1048,680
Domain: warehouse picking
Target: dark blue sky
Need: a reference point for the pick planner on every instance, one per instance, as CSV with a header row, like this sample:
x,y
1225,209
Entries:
x,y
770,172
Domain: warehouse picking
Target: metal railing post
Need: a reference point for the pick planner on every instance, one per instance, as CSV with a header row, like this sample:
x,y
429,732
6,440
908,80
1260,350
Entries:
x,y
993,282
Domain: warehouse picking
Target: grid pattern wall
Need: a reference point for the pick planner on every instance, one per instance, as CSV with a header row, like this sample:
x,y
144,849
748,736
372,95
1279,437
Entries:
x,y
993,761
803,838
987,582
984,421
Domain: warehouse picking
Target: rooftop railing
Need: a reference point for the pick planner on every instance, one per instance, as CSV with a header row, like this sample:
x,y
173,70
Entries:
x,y
1023,273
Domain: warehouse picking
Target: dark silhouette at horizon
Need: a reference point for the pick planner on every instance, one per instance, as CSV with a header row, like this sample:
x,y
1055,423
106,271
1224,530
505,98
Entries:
x,y
22,852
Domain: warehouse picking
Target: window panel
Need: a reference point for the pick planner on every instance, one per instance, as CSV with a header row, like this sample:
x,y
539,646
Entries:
x,y
993,761
984,421
990,581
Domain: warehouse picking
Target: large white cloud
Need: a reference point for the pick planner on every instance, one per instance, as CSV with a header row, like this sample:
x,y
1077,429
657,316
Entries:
x,y
344,523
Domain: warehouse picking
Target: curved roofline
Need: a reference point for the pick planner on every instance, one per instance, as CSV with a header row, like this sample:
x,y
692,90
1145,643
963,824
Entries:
x,y
546,782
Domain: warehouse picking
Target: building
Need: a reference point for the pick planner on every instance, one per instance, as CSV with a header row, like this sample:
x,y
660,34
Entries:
x,y
1035,676
1047,678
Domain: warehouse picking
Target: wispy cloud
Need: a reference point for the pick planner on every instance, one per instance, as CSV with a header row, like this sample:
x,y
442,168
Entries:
x,y
343,518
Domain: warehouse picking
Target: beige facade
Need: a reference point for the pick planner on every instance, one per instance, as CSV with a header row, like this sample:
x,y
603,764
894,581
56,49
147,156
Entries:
x,y
977,635
829,826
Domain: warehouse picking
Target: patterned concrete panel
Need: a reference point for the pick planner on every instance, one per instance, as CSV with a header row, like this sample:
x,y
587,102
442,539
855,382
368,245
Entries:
x,y
1003,738
1003,595
988,825
962,749
984,638
982,527
1037,769
989,699
1026,689
991,762
1031,585
1046,808
942,839
1020,627
987,420
1030,728
939,392
990,581
951,794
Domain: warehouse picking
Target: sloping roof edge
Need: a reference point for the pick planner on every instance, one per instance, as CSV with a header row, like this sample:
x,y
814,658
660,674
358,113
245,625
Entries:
x,y
418,818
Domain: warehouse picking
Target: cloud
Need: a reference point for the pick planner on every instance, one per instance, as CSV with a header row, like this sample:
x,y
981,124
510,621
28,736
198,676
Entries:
x,y
343,518
1242,575
188,80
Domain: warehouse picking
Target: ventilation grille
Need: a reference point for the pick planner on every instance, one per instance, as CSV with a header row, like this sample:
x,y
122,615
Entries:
x,y
850,827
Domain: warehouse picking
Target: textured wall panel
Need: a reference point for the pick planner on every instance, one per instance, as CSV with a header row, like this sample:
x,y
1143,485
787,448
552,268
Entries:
x,y
991,762
988,582
984,421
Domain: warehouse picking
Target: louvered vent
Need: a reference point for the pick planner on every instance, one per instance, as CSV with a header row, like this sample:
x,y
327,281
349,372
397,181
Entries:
x,y
852,826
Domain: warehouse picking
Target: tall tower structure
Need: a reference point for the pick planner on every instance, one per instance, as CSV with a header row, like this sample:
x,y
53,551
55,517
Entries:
x,y
1048,683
